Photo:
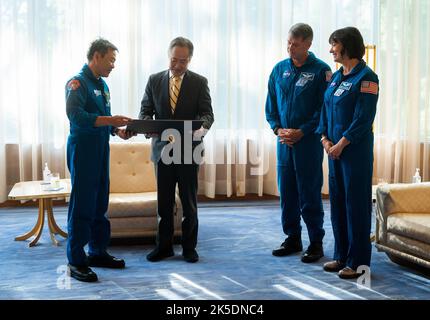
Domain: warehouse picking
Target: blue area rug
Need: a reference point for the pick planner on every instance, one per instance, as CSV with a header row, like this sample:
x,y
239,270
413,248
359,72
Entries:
x,y
235,244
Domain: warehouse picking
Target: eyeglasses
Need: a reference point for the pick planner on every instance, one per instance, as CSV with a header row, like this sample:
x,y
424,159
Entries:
x,y
180,61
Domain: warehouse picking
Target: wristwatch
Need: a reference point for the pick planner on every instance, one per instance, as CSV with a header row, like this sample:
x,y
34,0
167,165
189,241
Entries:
x,y
323,138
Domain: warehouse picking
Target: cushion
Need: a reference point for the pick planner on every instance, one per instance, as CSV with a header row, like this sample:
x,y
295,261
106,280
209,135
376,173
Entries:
x,y
132,205
411,225
130,168
395,198
407,245
135,224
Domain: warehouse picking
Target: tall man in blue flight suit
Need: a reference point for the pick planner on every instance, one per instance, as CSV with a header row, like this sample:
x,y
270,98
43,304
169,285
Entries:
x,y
91,124
294,100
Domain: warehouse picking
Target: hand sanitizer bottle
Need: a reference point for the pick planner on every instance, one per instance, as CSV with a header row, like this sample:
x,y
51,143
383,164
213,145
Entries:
x,y
46,173
416,178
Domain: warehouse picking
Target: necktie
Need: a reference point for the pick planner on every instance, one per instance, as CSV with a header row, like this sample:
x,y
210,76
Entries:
x,y
175,87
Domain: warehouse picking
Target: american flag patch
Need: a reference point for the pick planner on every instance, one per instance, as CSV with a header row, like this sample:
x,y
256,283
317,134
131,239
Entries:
x,y
328,75
369,87
73,84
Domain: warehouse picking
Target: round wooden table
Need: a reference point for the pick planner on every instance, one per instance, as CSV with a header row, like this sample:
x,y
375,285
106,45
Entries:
x,y
45,194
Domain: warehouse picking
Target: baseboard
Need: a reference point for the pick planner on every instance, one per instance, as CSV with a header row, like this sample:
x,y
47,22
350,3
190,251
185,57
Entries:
x,y
200,198
247,197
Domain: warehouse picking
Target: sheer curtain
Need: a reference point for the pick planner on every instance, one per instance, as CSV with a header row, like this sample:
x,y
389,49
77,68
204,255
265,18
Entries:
x,y
44,43
402,125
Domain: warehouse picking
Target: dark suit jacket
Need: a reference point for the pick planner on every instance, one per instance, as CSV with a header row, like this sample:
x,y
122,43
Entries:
x,y
194,103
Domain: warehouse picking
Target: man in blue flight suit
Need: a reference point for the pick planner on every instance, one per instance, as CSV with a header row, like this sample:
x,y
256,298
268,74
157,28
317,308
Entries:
x,y
294,100
91,124
347,136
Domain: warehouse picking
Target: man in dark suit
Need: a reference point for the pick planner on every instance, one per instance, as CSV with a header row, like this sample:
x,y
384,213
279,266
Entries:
x,y
178,94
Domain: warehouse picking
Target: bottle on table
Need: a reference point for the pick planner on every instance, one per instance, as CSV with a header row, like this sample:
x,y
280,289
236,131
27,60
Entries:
x,y
46,173
416,178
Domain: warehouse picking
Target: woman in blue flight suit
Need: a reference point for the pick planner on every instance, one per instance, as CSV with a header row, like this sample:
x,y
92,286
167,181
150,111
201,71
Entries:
x,y
347,136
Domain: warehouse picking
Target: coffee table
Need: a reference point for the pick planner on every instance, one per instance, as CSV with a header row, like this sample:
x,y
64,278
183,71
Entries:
x,y
45,194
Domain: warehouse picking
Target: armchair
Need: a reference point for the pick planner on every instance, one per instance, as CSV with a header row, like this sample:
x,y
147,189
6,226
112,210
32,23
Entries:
x,y
403,222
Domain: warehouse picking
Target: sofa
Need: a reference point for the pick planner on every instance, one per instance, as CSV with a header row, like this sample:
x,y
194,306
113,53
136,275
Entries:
x,y
133,192
403,223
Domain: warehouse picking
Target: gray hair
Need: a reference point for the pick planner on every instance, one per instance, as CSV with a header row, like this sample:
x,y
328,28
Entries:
x,y
101,46
302,30
182,42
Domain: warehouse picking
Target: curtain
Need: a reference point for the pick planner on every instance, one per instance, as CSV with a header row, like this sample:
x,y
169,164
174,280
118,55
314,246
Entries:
x,y
237,43
402,125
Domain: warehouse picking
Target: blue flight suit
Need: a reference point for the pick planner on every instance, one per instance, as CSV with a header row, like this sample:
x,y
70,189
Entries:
x,y
294,100
88,161
349,110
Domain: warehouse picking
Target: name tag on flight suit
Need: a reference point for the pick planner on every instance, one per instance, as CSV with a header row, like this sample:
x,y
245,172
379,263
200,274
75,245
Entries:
x,y
107,98
304,78
344,86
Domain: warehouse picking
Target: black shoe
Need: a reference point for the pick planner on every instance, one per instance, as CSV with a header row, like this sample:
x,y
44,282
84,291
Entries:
x,y
190,256
106,261
157,254
84,274
313,253
289,246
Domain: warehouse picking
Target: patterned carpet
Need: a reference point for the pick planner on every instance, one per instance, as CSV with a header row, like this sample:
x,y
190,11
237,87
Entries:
x,y
235,244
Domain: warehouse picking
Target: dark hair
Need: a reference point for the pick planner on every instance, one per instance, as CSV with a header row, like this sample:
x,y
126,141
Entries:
x,y
351,40
182,42
302,30
101,46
